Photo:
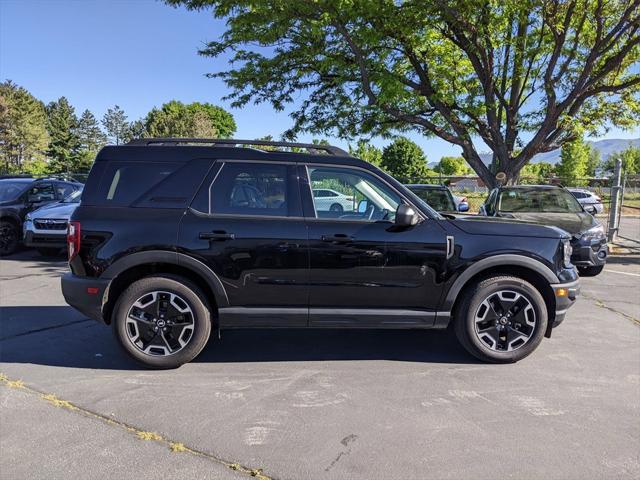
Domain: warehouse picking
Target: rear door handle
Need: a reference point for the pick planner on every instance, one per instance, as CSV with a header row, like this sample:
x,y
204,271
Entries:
x,y
337,238
217,236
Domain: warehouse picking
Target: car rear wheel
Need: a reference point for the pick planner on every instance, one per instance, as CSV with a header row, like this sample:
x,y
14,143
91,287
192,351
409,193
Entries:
x,y
501,319
590,271
9,238
162,321
336,207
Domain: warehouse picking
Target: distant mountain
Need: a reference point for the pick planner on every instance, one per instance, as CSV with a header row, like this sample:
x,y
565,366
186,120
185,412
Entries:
x,y
605,147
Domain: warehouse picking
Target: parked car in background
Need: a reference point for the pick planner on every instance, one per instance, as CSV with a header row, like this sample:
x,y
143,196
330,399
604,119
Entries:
x,y
591,202
554,205
21,195
45,229
327,199
162,250
440,198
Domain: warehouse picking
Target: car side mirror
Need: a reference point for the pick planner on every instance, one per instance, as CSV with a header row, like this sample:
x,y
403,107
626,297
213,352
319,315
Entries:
x,y
362,206
591,209
405,216
463,207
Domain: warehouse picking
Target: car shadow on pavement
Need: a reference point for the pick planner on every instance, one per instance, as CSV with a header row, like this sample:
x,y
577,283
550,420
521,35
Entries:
x,y
59,336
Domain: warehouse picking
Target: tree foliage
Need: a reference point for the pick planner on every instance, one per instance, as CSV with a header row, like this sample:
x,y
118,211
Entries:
x,y
574,159
367,152
116,125
452,166
522,75
404,159
23,128
630,161
176,119
64,144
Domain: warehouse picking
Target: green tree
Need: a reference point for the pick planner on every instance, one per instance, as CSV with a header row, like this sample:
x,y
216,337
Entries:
x,y
23,128
64,143
630,161
116,125
91,138
593,162
136,129
534,173
176,119
452,166
574,159
521,75
405,160
367,152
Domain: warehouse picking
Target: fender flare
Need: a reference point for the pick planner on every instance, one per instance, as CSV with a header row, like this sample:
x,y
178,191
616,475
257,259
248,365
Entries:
x,y
174,258
497,261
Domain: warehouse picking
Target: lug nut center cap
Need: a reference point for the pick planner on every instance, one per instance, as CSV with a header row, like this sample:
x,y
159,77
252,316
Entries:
x,y
503,320
161,323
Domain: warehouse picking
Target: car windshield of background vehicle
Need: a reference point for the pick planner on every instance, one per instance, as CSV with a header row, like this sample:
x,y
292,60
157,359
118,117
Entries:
x,y
11,190
537,200
73,198
439,199
361,196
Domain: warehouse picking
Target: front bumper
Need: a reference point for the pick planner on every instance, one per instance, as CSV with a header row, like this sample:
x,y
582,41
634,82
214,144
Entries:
x,y
566,295
49,240
86,294
589,255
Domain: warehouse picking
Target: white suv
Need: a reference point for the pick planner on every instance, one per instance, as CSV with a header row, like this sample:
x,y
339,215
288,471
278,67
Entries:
x,y
326,199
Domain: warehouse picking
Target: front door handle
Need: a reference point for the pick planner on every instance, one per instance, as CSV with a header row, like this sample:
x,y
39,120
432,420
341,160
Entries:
x,y
337,238
217,236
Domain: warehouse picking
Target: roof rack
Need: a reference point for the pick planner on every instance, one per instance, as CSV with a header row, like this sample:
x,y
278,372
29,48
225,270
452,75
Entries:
x,y
227,142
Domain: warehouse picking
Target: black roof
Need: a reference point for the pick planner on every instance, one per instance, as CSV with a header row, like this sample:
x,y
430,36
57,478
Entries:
x,y
542,187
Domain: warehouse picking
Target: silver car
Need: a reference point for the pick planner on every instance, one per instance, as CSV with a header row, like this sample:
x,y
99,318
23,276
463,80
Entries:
x,y
591,202
45,229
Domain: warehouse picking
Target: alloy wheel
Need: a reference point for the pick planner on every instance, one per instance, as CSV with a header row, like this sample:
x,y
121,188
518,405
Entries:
x,y
160,323
505,321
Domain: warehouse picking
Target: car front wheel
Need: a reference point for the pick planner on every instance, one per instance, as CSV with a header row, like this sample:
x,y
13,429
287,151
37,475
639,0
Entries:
x,y
501,319
9,238
162,321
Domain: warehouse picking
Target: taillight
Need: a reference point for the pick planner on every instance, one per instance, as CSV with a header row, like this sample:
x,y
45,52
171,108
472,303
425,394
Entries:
x,y
73,239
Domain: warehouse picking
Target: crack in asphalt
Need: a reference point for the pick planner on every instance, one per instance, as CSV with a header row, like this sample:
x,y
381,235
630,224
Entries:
x,y
173,446
44,329
601,304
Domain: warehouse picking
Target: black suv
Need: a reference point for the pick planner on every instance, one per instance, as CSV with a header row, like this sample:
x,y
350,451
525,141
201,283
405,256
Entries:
x,y
174,237
21,195
554,205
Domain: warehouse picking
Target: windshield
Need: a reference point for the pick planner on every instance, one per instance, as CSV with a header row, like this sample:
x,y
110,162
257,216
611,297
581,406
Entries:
x,y
554,200
11,189
438,198
73,198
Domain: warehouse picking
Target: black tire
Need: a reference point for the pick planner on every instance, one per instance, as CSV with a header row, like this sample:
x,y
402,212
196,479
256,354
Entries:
x,y
9,238
473,298
590,271
189,294
336,207
48,251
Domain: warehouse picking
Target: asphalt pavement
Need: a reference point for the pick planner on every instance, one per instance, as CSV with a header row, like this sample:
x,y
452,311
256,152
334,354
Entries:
x,y
317,404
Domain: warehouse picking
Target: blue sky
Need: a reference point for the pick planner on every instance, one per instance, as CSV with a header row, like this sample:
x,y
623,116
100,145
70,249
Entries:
x,y
134,53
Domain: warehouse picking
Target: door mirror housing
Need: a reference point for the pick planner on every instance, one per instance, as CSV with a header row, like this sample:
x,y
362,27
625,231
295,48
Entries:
x,y
406,216
362,206
591,209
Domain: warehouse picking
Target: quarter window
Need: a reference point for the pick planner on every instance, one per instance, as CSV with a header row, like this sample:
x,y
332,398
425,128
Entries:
x,y
250,189
355,195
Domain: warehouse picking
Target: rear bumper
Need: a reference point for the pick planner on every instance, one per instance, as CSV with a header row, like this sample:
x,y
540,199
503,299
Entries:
x,y
566,295
85,294
49,240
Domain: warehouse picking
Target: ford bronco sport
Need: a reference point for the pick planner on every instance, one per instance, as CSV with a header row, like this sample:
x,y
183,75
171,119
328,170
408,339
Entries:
x,y
176,237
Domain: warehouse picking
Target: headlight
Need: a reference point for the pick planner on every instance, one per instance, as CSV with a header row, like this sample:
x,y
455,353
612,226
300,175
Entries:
x,y
567,250
593,234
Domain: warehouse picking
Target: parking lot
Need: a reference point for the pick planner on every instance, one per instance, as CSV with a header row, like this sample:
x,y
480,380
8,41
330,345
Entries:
x,y
295,404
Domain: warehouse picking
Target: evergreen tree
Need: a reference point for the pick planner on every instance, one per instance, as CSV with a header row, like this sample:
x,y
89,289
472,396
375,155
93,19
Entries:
x,y
137,129
91,136
405,160
630,161
574,157
64,143
23,128
593,162
115,124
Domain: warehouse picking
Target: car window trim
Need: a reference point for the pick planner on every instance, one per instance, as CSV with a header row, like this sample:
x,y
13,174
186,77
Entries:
x,y
306,166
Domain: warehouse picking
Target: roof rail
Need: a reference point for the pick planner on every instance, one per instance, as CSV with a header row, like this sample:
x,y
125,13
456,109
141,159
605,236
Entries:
x,y
229,142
